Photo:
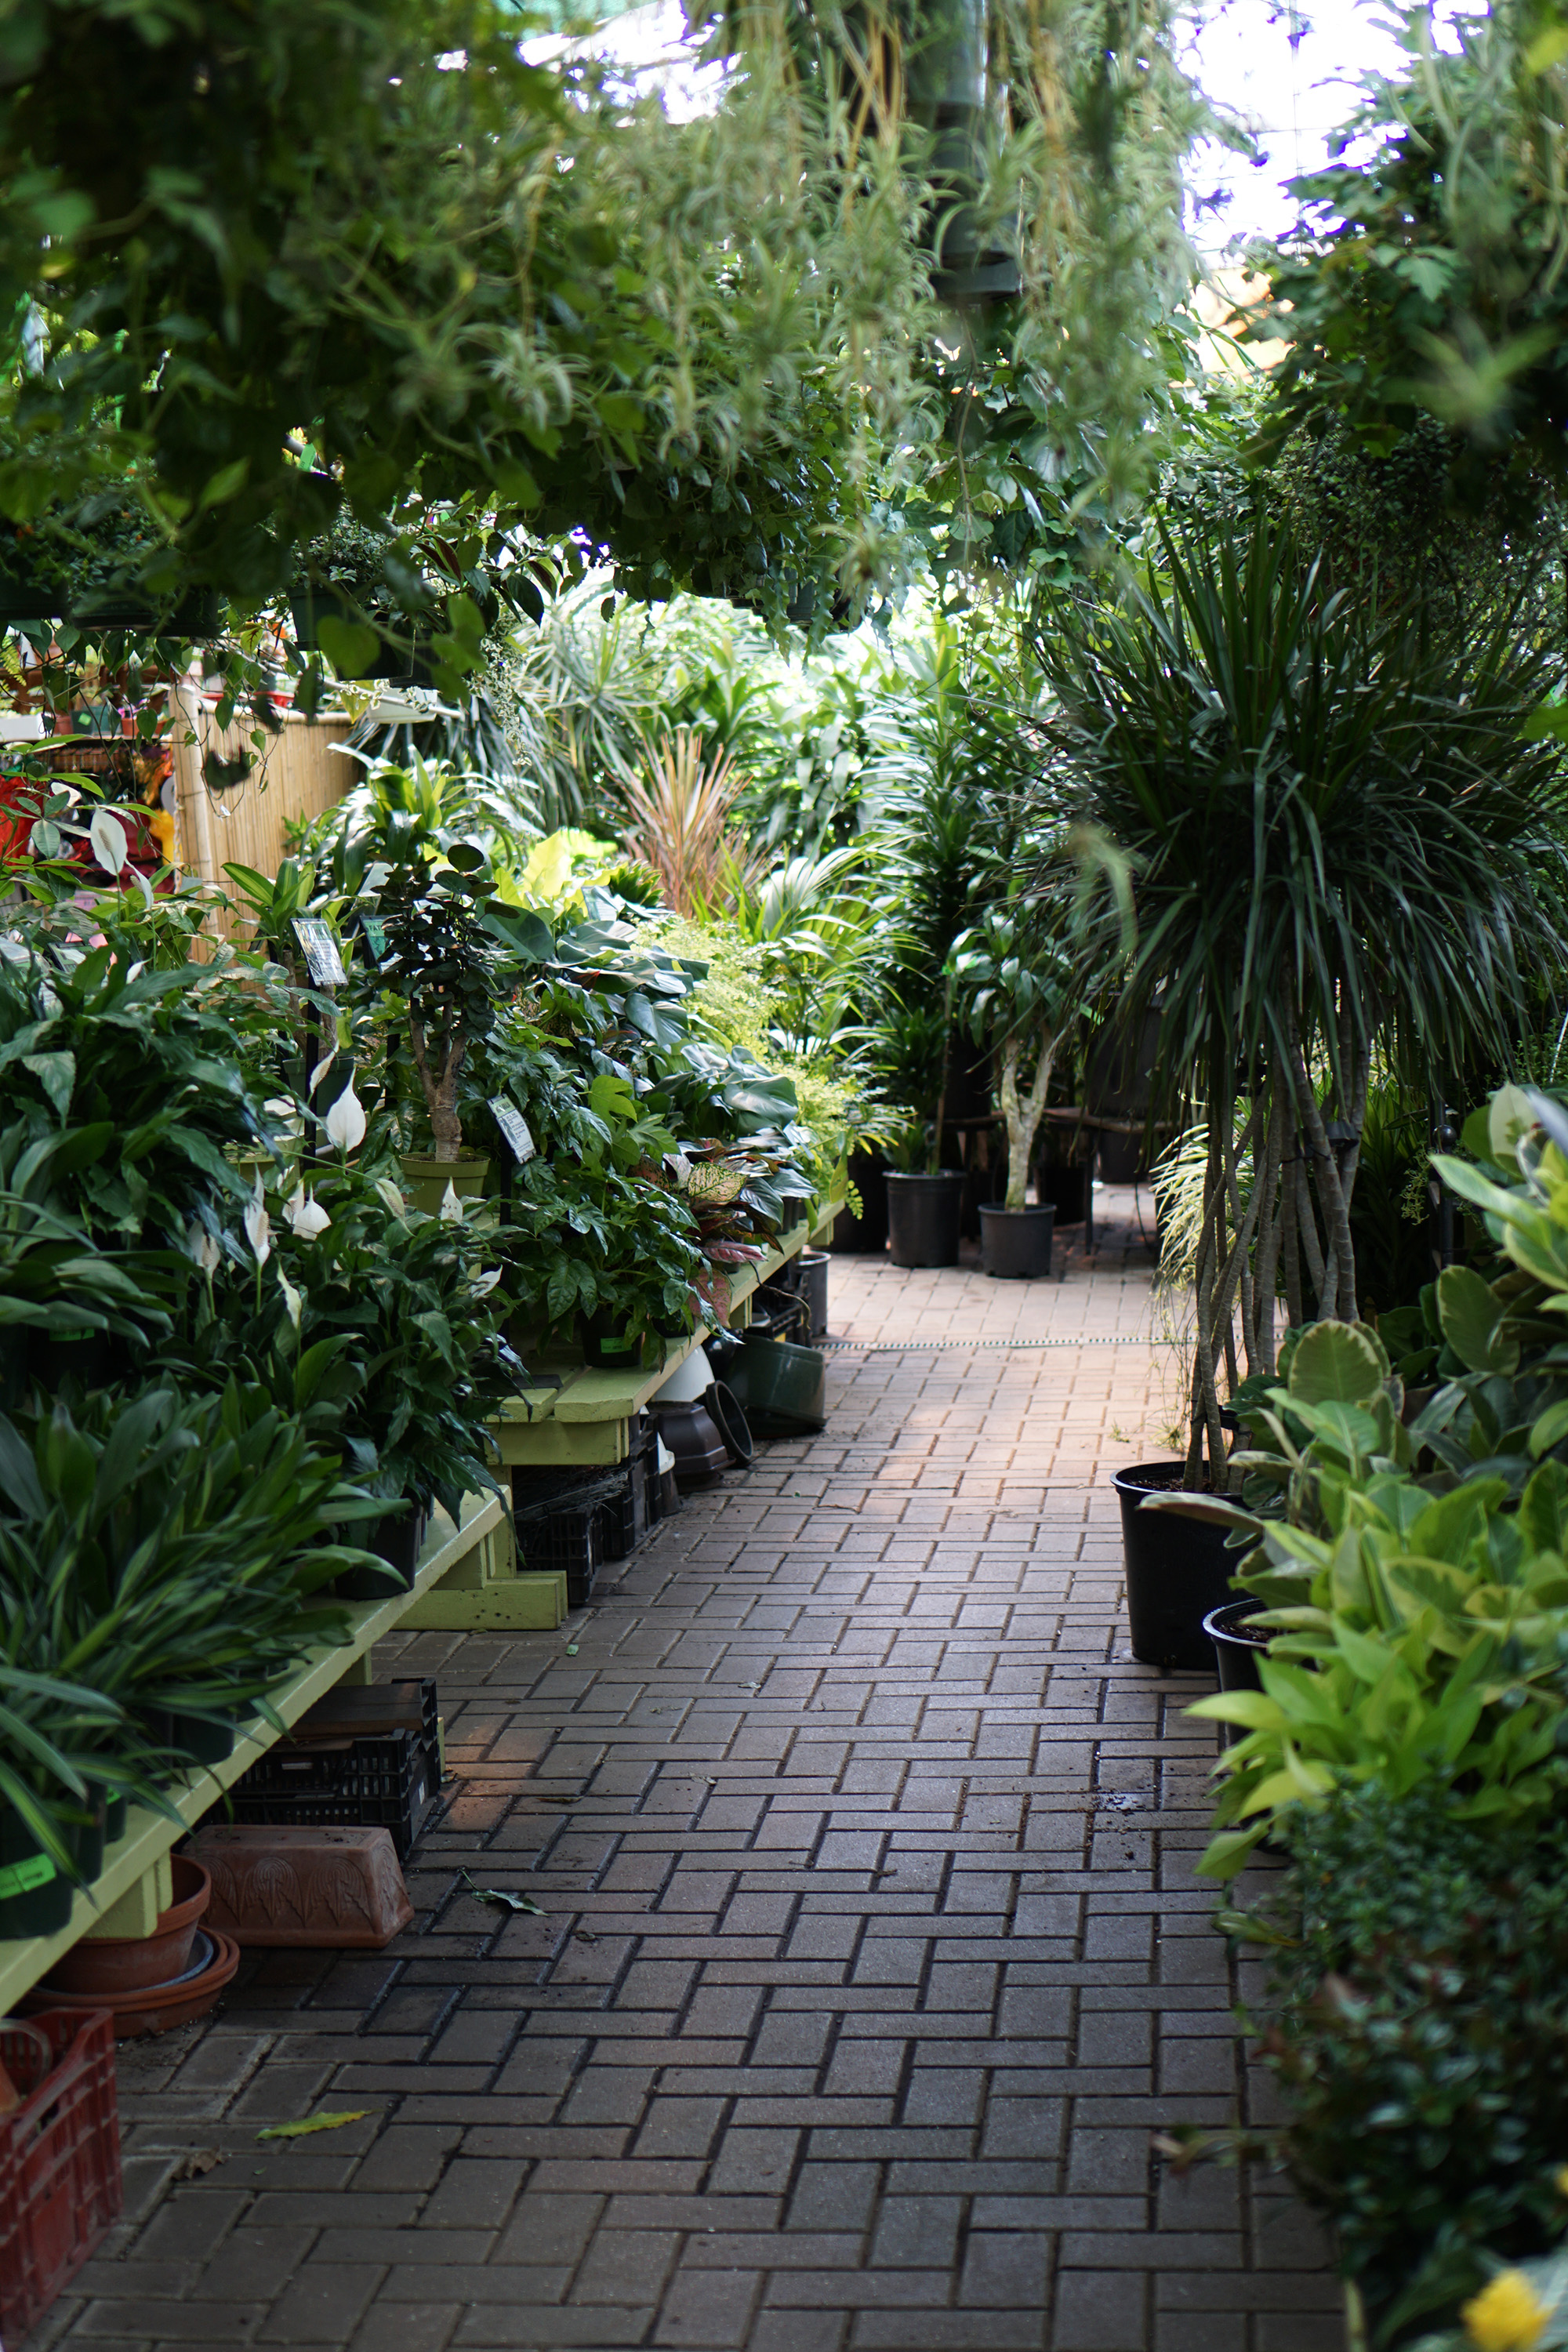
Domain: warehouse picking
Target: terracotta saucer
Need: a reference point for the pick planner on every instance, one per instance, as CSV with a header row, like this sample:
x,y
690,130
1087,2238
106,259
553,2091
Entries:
x,y
107,1968
155,2009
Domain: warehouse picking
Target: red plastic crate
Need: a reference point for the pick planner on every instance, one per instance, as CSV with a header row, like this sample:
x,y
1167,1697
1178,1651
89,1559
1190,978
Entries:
x,y
60,2161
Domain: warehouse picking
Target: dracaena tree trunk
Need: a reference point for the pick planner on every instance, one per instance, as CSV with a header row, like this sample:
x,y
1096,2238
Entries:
x,y
439,1073
1023,1110
1277,1203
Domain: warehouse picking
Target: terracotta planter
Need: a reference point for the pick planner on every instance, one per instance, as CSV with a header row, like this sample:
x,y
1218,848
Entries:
x,y
157,2008
105,1968
306,1888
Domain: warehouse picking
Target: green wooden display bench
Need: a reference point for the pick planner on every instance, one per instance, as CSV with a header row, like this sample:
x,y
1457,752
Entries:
x,y
585,1420
134,1886
468,1580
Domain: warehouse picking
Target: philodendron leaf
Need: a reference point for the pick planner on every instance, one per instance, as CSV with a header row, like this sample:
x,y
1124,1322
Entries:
x,y
1471,1314
1338,1363
313,2124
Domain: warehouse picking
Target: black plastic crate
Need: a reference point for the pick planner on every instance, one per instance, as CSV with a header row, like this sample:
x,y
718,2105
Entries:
x,y
565,1540
618,1528
390,1781
366,1710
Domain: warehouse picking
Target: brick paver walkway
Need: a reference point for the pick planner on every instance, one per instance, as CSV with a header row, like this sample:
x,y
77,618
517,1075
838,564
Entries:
x,y
869,1955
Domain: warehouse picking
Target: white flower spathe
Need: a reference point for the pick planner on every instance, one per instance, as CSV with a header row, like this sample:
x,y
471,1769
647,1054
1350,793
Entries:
x,y
346,1121
258,1224
451,1209
306,1219
291,1299
202,1248
392,1196
485,1283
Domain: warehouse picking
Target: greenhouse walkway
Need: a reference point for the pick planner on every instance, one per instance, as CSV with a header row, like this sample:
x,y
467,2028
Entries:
x,y
870,1955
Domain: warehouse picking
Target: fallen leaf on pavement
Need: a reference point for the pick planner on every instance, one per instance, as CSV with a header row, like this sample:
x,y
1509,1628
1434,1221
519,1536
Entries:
x,y
508,1901
312,2124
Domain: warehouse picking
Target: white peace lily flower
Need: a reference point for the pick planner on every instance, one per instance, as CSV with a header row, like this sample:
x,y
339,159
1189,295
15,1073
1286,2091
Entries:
x,y
485,1283
305,1217
322,1066
202,1248
1509,1120
392,1196
451,1210
291,1299
346,1121
108,839
258,1224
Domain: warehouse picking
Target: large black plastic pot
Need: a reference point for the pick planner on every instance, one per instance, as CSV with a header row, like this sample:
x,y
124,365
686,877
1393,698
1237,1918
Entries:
x,y
1065,1185
866,1234
1177,1572
35,1898
1237,1653
724,1412
923,1216
1015,1243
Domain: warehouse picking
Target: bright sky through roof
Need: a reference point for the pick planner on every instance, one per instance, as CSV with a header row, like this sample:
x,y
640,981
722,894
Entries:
x,y
1291,74
1291,92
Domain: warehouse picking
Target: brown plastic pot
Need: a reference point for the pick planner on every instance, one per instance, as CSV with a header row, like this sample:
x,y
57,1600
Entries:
x,y
106,1967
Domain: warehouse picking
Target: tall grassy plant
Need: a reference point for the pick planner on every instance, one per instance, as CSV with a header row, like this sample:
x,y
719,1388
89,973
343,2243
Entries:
x,y
1338,836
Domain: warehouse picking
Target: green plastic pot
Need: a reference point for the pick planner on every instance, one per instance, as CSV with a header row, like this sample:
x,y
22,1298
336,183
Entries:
x,y
425,1181
783,1388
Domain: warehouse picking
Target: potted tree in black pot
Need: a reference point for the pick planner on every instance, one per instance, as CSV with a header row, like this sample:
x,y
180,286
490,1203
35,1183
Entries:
x,y
1286,779
1016,985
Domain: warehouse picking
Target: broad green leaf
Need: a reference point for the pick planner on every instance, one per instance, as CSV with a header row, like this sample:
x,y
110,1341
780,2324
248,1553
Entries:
x,y
1470,1312
1544,1507
1338,1363
350,645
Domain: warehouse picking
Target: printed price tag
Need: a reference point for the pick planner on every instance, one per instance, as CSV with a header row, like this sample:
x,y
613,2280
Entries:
x,y
319,950
515,1129
21,1877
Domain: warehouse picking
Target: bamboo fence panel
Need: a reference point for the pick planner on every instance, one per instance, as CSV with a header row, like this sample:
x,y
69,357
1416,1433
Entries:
x,y
304,773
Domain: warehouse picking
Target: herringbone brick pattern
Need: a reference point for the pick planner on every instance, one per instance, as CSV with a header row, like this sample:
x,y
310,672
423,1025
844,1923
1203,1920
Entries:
x,y
867,1957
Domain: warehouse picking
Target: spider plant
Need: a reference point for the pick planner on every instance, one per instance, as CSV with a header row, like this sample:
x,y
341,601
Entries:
x,y
1338,839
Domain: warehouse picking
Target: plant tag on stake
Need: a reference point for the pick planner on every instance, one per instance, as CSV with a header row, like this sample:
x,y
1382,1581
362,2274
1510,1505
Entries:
x,y
516,1130
319,950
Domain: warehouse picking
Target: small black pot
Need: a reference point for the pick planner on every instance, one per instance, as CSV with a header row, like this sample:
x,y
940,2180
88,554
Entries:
x,y
1015,1243
115,1818
398,1540
203,1742
1237,1653
923,1214
813,1264
606,1343
1120,1158
724,1412
1177,1571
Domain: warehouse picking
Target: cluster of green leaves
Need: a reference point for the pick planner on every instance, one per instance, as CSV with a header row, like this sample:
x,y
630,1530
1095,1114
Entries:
x,y
1421,2036
1427,284
159,1552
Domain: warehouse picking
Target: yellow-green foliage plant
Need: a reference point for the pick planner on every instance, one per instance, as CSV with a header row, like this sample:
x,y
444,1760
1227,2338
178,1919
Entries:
x,y
1417,1637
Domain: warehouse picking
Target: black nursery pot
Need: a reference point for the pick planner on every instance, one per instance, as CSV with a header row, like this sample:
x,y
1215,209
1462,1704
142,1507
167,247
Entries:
x,y
1065,1185
398,1540
607,1343
866,1234
923,1217
35,1898
1236,1652
1015,1243
1177,1572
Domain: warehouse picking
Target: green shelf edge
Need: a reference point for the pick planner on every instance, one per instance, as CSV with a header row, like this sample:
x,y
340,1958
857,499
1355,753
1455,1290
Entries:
x,y
148,1837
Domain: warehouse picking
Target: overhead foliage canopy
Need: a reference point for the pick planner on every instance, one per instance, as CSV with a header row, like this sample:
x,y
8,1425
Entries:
x,y
262,258
1432,277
